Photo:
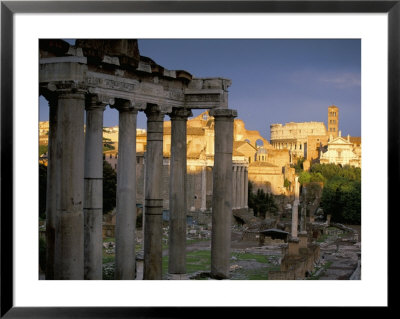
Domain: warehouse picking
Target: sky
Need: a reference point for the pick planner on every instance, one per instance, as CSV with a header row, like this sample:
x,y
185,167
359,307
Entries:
x,y
273,80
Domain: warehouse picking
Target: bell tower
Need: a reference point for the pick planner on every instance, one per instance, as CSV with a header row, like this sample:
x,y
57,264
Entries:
x,y
333,120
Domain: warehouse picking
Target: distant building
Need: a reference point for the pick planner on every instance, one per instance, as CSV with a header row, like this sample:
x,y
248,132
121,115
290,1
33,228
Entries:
x,y
340,151
310,140
293,136
333,120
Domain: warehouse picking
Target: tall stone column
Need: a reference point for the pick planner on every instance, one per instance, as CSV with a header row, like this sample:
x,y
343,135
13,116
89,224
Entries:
x,y
125,237
237,192
93,186
177,193
204,188
234,186
246,187
69,239
295,208
52,187
222,193
240,187
153,194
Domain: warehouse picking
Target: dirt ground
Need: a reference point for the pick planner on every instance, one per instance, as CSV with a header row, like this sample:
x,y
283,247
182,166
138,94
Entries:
x,y
340,258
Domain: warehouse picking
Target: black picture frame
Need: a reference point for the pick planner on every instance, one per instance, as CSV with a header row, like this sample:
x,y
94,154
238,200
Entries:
x,y
9,8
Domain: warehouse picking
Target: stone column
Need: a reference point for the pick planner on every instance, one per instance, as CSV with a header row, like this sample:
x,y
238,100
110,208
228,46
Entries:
x,y
238,186
153,194
204,188
222,193
295,208
93,187
69,239
246,187
52,188
242,186
234,186
125,237
177,192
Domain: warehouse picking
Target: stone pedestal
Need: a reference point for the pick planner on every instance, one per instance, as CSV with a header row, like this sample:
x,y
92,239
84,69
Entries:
x,y
303,239
93,186
153,194
293,247
222,193
125,238
177,193
69,239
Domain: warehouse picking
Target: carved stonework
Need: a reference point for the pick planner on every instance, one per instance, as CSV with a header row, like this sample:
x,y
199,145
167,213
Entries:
x,y
124,106
223,113
180,114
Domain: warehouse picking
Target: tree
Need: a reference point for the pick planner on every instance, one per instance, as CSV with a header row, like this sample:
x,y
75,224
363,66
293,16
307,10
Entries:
x,y
109,187
261,202
341,198
299,165
42,149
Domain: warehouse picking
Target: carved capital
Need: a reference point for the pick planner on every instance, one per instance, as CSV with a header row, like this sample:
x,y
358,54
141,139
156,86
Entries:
x,y
180,114
223,113
97,102
123,105
67,89
154,112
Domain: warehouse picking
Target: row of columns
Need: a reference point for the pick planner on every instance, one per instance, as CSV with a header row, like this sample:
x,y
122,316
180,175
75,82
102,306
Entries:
x,y
74,193
291,146
239,186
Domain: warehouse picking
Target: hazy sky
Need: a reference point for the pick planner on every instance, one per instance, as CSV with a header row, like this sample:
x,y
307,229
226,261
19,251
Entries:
x,y
273,81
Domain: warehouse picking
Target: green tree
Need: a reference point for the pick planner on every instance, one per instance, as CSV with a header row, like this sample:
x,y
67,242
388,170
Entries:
x,y
109,187
304,177
261,202
287,184
341,198
42,149
299,165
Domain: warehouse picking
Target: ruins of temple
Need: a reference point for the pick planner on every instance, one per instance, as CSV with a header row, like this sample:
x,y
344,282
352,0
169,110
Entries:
x,y
94,74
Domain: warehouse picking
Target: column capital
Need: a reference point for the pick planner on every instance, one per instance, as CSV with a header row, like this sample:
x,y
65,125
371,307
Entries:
x,y
180,113
123,105
67,89
154,112
97,102
221,113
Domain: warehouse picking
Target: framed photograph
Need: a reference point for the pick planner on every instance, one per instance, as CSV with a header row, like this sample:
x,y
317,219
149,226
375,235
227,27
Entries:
x,y
363,32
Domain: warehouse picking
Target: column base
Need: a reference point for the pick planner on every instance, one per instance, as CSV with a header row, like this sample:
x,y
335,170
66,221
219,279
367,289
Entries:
x,y
177,277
